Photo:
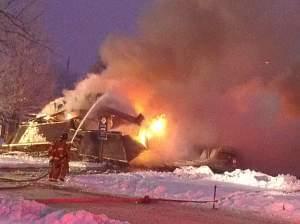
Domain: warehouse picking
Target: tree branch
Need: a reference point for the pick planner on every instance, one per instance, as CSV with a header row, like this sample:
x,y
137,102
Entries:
x,y
15,21
30,4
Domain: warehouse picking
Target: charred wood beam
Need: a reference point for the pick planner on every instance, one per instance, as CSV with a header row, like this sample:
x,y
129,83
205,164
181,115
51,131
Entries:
x,y
136,120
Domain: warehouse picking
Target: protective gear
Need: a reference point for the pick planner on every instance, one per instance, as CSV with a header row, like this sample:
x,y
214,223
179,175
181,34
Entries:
x,y
58,160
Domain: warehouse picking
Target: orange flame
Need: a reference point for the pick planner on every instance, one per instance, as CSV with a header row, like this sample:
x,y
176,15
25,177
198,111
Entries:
x,y
156,127
69,115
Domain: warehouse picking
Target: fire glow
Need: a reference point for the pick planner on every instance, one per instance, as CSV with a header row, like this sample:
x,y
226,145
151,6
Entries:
x,y
156,127
69,115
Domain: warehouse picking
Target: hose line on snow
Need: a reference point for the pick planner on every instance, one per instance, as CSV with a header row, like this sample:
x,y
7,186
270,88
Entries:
x,y
10,180
14,187
24,180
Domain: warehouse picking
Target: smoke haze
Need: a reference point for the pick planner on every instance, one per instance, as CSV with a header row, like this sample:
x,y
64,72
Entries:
x,y
224,73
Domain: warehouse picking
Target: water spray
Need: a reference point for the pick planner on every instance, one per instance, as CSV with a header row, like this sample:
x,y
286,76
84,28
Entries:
x,y
85,117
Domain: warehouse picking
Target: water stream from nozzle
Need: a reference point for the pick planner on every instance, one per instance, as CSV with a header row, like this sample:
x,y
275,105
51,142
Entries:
x,y
85,117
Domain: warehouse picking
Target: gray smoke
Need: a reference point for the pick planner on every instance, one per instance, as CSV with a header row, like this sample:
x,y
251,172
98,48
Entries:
x,y
225,73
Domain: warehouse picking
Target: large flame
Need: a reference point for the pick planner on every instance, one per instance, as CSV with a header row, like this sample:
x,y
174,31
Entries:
x,y
155,127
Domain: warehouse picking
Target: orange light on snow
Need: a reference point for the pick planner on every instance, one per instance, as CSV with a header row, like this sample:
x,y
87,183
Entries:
x,y
156,127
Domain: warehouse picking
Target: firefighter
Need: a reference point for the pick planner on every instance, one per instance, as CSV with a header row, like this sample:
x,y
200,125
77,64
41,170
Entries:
x,y
59,159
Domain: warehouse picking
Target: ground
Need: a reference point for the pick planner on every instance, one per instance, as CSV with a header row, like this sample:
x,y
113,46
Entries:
x,y
157,212
243,196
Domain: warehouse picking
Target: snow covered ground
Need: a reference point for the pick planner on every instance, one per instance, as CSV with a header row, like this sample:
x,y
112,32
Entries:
x,y
22,160
18,210
240,190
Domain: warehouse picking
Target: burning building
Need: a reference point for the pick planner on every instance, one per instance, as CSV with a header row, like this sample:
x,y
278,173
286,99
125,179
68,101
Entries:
x,y
105,133
95,135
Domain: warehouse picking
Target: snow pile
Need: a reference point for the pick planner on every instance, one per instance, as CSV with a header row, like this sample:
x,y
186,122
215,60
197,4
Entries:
x,y
252,178
287,183
194,172
197,184
245,177
139,184
32,134
23,211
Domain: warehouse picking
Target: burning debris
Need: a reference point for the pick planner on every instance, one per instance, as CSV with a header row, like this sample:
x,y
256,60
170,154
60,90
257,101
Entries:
x,y
156,127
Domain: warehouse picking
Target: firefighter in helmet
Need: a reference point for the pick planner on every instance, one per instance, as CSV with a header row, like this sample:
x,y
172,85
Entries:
x,y
59,159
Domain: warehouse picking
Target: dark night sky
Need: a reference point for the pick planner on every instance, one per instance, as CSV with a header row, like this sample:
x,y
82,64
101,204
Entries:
x,y
76,28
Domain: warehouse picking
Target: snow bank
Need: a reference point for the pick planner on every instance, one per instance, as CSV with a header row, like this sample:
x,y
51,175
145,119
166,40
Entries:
x,y
253,193
21,160
18,210
281,182
287,183
194,172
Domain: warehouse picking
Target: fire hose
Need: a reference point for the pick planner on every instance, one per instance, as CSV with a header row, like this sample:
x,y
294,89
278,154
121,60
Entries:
x,y
125,199
105,198
11,180
24,180
14,187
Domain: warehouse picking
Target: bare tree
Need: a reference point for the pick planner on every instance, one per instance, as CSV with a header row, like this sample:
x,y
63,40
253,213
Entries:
x,y
25,80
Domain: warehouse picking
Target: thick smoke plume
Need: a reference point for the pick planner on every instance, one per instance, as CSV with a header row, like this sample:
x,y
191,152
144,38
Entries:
x,y
224,73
